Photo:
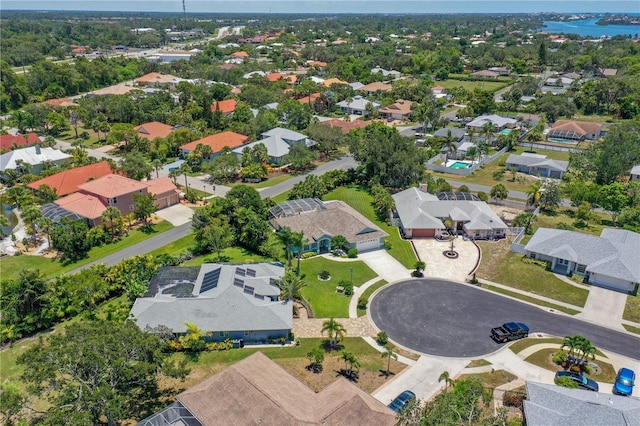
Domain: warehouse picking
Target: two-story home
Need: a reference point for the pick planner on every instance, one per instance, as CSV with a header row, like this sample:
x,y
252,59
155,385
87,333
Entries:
x,y
399,110
278,141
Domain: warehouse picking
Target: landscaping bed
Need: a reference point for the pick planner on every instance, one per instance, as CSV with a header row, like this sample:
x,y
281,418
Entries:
x,y
543,359
492,379
368,292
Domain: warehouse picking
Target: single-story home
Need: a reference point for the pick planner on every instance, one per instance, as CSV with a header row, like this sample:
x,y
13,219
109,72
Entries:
x,y
257,390
235,301
346,126
156,79
320,221
330,81
69,181
31,159
559,81
216,142
463,149
457,134
374,87
153,130
575,130
9,141
357,106
551,405
635,173
420,214
439,92
386,73
537,164
278,141
226,107
399,110
498,121
485,74
610,260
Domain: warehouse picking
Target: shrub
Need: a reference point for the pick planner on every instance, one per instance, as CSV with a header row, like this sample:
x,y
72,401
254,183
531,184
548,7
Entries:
x,y
191,196
352,253
382,338
513,399
324,275
308,254
362,302
348,287
587,369
580,224
564,226
559,357
483,196
498,175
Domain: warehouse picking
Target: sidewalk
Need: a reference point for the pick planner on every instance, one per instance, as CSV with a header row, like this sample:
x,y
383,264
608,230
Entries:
x,y
532,295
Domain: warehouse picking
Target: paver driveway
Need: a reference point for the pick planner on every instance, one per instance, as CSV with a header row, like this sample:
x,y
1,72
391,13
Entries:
x,y
438,266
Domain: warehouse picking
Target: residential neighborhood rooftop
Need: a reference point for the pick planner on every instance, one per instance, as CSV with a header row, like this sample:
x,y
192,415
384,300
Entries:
x,y
153,130
69,181
218,141
113,185
9,141
32,155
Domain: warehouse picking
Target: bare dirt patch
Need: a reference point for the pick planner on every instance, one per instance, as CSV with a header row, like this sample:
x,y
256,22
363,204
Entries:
x,y
507,214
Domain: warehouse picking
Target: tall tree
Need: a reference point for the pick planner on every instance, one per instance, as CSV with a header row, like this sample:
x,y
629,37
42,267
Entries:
x,y
499,192
113,218
388,354
290,286
285,236
335,331
144,207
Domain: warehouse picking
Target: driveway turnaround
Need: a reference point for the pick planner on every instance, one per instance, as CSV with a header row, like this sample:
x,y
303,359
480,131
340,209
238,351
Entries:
x,y
445,318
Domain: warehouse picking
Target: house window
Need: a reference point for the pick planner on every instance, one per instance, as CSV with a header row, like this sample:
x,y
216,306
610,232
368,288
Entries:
x,y
247,333
132,207
581,268
224,334
114,200
563,261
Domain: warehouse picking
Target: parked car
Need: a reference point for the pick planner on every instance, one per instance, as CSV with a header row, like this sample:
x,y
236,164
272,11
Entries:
x,y
402,400
580,380
510,331
624,382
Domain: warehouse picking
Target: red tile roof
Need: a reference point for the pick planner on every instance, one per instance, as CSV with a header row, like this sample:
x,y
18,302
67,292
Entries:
x,y
111,185
218,141
275,76
346,126
155,77
154,130
9,142
241,54
68,181
581,127
160,186
309,99
227,106
316,64
85,205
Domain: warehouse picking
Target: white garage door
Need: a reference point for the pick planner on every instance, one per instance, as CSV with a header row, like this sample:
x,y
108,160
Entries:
x,y
609,282
368,245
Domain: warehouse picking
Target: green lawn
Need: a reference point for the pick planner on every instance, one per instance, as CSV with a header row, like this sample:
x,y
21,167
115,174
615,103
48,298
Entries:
x,y
492,379
510,270
50,268
322,295
632,309
281,198
542,358
631,329
369,291
265,183
470,85
361,200
176,247
530,299
231,255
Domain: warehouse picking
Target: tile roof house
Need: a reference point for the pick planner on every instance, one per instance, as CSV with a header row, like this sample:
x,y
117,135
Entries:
x,y
346,126
635,173
420,214
237,301
84,205
320,221
374,87
610,260
278,141
485,74
399,110
32,158
328,82
257,390
164,192
156,79
226,107
116,89
357,106
69,181
153,130
217,142
9,141
537,164
551,405
575,130
498,121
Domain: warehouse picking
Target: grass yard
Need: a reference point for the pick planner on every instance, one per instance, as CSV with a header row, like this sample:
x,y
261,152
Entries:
x,y
293,359
361,200
632,309
231,255
175,247
368,292
281,198
501,265
492,379
322,295
530,299
543,359
478,363
470,85
267,183
51,267
631,329
520,345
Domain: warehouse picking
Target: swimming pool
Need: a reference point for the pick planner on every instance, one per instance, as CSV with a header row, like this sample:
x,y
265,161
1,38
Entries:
x,y
505,132
459,165
558,140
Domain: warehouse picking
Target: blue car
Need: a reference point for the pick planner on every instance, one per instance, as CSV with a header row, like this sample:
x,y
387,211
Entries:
x,y
580,380
624,382
402,400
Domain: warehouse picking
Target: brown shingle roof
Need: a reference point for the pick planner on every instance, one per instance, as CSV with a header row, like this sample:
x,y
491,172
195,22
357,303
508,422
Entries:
x,y
156,78
400,106
153,130
346,126
256,390
581,127
376,87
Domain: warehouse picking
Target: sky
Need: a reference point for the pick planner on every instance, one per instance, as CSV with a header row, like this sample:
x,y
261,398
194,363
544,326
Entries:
x,y
343,6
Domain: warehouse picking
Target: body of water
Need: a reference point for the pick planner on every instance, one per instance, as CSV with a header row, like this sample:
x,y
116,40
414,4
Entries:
x,y
589,28
9,214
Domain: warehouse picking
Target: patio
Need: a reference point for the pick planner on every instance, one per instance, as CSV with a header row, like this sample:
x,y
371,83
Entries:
x,y
438,266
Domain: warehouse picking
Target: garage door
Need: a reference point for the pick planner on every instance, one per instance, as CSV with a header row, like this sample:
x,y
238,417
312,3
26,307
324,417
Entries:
x,y
423,232
611,283
373,244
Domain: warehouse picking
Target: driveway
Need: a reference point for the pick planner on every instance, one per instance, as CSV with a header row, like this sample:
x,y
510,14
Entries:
x,y
176,215
604,307
385,265
445,318
439,266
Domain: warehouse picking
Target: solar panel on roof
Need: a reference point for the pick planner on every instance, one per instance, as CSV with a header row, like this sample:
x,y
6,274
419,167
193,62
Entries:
x,y
251,272
210,280
238,282
240,271
248,289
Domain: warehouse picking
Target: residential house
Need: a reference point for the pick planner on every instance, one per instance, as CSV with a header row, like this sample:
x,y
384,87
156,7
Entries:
x,y
420,214
154,130
500,70
31,159
376,86
607,72
278,141
321,221
69,181
257,390
330,81
457,134
357,106
156,79
392,74
610,260
226,107
356,85
635,173
498,121
318,64
551,405
171,56
399,110
239,56
218,142
537,164
116,89
253,74
165,193
9,141
309,100
485,74
559,81
439,92
346,126
463,150
232,301
575,130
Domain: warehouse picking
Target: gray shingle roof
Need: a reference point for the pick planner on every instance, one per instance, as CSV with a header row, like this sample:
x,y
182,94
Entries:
x,y
635,170
550,405
284,134
358,103
276,146
529,160
32,155
493,118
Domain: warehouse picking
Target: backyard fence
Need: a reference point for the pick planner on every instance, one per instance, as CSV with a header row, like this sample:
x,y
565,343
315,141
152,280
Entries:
x,y
461,172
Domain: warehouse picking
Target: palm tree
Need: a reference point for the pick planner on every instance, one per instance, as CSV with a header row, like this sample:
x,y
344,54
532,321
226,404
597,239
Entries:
x,y
335,331
389,354
351,363
449,143
499,192
286,237
46,224
111,215
533,195
31,214
185,169
571,343
290,286
173,174
586,349
299,243
419,267
157,165
488,128
444,377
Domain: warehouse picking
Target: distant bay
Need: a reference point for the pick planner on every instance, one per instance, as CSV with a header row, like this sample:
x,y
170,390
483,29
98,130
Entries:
x,y
589,28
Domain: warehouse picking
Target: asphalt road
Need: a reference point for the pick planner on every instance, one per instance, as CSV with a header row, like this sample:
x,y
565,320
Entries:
x,y
444,318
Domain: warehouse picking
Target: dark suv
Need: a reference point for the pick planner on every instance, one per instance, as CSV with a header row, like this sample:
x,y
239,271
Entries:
x,y
580,380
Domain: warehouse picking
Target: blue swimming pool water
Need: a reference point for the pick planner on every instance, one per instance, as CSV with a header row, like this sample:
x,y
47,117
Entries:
x,y
505,132
459,165
557,140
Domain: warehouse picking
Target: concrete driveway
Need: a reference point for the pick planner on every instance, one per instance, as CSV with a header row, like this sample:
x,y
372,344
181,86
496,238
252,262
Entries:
x,y
604,307
176,215
438,266
385,265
